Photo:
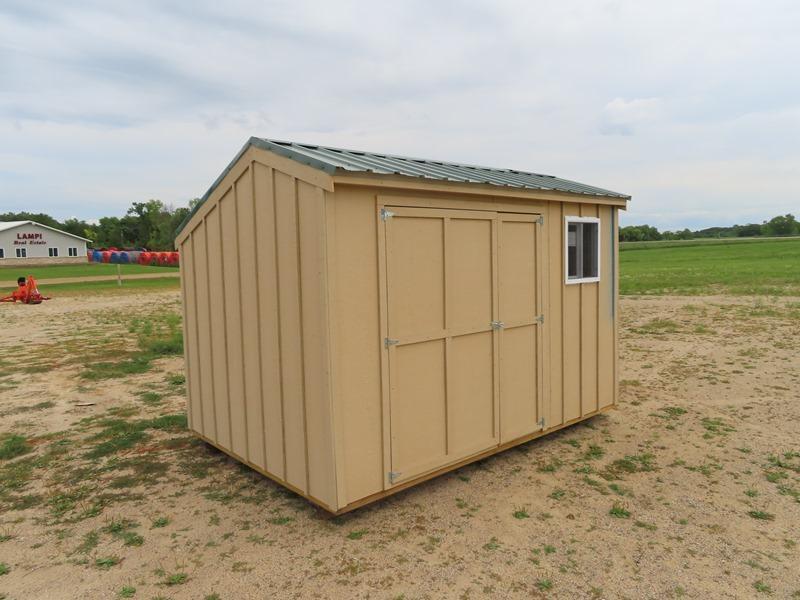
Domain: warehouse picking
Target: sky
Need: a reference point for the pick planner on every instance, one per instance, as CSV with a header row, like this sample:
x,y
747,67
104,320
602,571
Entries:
x,y
691,107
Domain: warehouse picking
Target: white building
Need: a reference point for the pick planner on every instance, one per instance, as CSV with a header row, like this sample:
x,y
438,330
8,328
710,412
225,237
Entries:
x,y
33,243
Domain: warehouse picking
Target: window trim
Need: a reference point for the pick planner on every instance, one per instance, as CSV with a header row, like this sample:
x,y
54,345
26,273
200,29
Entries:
x,y
72,252
21,253
576,219
52,252
2,253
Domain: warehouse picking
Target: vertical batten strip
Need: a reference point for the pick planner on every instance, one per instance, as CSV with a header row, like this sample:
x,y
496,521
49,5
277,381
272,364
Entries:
x,y
303,398
190,340
257,288
277,277
207,323
239,287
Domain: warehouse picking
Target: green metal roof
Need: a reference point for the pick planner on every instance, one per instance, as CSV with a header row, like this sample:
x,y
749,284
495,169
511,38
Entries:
x,y
341,161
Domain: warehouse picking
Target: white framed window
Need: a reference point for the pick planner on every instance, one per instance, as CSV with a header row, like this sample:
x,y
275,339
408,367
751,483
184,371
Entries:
x,y
72,251
581,249
52,252
2,252
22,253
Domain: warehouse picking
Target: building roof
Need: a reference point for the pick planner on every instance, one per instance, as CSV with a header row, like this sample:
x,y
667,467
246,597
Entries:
x,y
6,225
338,161
333,160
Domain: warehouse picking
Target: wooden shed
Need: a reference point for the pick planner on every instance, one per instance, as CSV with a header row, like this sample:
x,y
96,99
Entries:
x,y
357,323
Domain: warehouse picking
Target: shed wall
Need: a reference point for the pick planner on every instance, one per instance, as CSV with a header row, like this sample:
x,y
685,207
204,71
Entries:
x,y
256,326
579,363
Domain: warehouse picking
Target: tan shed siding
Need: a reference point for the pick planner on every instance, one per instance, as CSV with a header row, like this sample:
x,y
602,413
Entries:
x,y
218,343
204,376
266,285
352,228
232,293
571,319
250,347
589,356
291,332
605,316
554,320
581,320
195,409
316,359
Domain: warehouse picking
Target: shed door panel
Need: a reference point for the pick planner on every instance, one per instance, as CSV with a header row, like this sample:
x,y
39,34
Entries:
x,y
441,290
520,338
458,385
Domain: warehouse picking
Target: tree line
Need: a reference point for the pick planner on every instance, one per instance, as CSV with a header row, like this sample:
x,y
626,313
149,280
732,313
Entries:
x,y
149,225
782,225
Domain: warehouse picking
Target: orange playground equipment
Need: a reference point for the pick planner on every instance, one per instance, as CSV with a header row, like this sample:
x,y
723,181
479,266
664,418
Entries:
x,y
27,292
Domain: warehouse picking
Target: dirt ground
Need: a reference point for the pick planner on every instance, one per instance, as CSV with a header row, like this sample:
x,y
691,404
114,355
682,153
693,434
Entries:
x,y
691,488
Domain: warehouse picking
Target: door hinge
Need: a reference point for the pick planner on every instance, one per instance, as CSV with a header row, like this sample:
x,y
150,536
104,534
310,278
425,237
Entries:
x,y
497,324
394,476
540,319
541,423
389,342
386,214
540,220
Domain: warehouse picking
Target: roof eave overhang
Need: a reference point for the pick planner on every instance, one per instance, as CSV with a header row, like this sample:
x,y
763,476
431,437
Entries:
x,y
403,182
61,231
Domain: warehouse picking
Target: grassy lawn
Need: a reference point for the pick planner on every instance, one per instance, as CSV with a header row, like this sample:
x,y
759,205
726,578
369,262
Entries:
x,y
757,267
9,273
110,287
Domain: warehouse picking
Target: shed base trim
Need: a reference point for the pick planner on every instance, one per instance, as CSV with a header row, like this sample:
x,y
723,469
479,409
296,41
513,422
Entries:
x,y
411,482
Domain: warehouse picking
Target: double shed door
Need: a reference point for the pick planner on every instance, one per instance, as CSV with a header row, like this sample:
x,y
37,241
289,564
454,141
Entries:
x,y
463,300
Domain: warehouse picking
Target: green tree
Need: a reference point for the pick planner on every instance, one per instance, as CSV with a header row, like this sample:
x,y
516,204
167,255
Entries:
x,y
782,225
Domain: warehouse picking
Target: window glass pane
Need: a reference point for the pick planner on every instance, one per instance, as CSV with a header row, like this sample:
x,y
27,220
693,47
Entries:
x,y
572,250
589,249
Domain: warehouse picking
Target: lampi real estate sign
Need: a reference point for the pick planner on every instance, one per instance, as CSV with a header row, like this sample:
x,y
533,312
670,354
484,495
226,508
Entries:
x,y
32,239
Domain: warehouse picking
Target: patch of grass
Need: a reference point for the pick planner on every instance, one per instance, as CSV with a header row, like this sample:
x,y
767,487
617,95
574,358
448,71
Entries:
x,y
89,543
619,512
544,585
14,445
715,427
521,513
121,434
176,579
657,327
116,370
594,452
107,562
492,544
4,569
673,411
357,534
159,522
281,520
634,463
557,494
762,587
176,379
127,591
647,526
761,515
551,467
151,398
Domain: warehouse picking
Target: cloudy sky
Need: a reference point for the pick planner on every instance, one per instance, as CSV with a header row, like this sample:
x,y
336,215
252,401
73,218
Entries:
x,y
692,107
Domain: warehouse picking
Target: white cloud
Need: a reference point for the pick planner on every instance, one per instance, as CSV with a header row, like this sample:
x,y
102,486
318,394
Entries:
x,y
621,117
697,116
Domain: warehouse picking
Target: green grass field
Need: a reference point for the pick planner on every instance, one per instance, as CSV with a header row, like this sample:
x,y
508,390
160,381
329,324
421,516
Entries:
x,y
106,287
10,273
736,267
